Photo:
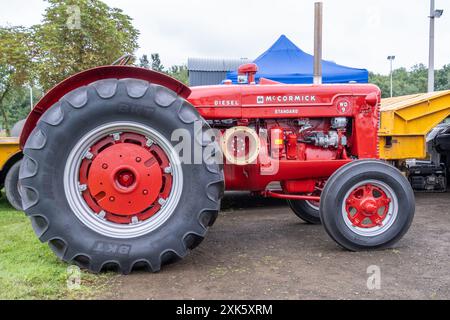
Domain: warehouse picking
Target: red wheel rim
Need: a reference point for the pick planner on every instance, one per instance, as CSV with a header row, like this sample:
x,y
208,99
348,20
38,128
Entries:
x,y
367,206
126,178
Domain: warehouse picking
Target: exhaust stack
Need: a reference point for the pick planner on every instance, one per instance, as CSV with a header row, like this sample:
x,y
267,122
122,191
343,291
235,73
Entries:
x,y
318,15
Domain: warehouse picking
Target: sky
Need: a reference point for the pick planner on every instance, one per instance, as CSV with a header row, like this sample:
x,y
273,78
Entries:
x,y
356,33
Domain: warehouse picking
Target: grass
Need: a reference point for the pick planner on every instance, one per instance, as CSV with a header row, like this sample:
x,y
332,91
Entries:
x,y
30,270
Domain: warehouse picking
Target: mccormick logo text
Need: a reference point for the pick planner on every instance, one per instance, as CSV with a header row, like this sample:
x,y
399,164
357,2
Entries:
x,y
285,99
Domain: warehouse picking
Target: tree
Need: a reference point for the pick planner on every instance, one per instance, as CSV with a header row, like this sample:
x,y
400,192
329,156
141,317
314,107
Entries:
x,y
180,73
443,78
17,103
76,35
404,81
156,62
15,64
143,62
382,82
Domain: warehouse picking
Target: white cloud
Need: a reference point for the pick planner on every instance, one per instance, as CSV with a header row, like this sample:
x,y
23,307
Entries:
x,y
356,33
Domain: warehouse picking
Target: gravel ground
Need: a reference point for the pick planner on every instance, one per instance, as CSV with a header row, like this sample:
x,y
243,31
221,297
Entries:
x,y
258,249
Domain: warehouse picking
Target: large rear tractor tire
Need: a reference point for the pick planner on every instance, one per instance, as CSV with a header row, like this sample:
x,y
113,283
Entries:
x,y
12,186
367,204
103,183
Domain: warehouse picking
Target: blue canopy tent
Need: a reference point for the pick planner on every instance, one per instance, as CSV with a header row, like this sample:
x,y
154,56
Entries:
x,y
286,63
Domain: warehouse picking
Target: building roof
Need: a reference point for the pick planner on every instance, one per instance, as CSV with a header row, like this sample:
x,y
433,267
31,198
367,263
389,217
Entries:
x,y
215,64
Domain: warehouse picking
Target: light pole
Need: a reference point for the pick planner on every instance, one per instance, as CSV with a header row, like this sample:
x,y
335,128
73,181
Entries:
x,y
434,13
391,59
31,97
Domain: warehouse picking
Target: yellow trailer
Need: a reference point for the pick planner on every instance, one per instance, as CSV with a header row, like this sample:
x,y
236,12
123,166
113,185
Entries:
x,y
406,121
10,158
9,148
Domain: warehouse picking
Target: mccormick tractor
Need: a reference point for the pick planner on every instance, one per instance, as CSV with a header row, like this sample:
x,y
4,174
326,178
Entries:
x,y
125,167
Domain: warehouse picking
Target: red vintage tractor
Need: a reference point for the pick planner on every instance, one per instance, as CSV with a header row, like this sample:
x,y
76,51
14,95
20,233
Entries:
x,y
125,167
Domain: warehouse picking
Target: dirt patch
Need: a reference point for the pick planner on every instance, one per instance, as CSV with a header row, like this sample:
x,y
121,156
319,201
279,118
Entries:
x,y
258,249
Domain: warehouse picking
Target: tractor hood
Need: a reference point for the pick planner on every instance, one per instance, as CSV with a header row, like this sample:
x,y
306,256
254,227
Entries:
x,y
270,95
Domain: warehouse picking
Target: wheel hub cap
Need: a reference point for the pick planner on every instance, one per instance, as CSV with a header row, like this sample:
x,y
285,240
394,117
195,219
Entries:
x,y
367,206
126,178
126,187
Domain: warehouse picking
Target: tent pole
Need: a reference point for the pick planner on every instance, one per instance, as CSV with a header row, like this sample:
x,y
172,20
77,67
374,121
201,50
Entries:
x,y
318,15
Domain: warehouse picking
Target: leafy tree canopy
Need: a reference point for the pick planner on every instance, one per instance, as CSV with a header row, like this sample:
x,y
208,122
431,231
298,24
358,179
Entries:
x,y
179,72
15,64
143,62
76,35
156,62
411,81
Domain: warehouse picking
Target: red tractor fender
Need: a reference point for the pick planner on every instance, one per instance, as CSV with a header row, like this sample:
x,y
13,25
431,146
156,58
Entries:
x,y
89,76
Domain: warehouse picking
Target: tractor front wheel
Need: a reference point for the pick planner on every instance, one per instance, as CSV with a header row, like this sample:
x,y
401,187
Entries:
x,y
103,182
367,204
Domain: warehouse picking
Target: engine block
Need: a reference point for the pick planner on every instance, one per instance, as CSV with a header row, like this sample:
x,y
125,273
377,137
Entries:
x,y
296,126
